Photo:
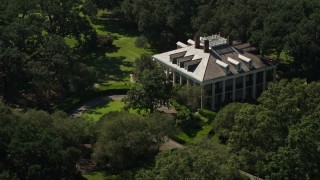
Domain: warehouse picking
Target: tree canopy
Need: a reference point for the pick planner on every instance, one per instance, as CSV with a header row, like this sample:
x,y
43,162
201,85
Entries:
x,y
276,27
201,161
276,139
126,140
36,145
152,90
190,96
38,68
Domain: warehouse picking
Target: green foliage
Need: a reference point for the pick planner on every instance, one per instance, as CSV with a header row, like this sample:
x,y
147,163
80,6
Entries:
x,y
208,114
190,96
36,145
201,161
141,42
38,69
224,136
89,8
275,139
110,4
160,21
144,63
135,139
272,27
193,126
106,40
184,116
225,118
113,65
153,90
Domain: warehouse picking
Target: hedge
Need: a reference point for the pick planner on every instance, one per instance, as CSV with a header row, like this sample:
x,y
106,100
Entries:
x,y
208,114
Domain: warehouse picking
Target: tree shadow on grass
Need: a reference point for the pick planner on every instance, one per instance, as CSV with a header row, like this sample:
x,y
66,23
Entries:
x,y
108,68
110,49
192,128
117,26
91,104
104,104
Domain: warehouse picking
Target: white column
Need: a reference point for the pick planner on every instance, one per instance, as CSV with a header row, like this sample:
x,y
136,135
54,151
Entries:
x,y
213,96
233,89
254,85
180,79
223,96
167,73
264,85
274,74
188,82
174,77
244,88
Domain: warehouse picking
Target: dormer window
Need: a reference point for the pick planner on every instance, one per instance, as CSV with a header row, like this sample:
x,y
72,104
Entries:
x,y
236,63
224,66
246,60
192,65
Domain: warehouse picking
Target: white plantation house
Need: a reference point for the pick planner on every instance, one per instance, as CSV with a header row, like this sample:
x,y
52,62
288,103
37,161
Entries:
x,y
225,72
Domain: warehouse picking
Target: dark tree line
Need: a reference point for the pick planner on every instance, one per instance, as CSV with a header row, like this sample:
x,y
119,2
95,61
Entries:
x,y
36,145
37,67
279,137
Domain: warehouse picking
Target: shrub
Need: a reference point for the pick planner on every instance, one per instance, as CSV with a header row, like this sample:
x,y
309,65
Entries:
x,y
189,96
184,115
89,41
106,40
224,136
141,42
208,114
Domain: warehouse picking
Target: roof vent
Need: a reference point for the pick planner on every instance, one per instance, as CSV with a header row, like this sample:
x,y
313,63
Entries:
x,y
245,59
224,66
190,42
235,62
181,45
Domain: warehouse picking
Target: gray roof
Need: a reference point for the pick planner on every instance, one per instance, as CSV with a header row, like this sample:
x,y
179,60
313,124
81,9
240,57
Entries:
x,y
208,69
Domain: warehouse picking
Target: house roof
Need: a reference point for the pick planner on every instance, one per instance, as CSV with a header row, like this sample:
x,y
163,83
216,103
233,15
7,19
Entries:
x,y
207,68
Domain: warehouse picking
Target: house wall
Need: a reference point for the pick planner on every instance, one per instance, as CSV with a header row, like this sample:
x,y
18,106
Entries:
x,y
238,87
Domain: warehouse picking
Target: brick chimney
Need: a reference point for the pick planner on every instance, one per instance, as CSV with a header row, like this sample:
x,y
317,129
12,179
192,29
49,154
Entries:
x,y
230,40
206,45
197,42
221,34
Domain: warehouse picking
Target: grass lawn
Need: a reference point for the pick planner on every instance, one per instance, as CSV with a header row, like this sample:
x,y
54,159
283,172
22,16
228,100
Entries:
x,y
97,113
113,105
284,57
97,176
202,133
115,64
100,175
108,176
